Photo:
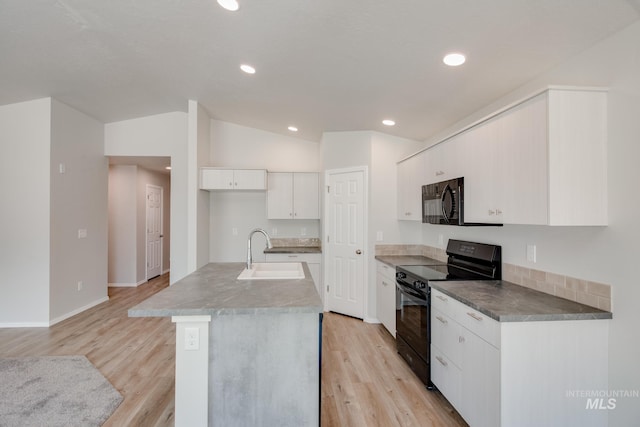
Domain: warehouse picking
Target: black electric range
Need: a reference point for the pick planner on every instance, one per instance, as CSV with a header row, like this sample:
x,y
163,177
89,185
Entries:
x,y
466,261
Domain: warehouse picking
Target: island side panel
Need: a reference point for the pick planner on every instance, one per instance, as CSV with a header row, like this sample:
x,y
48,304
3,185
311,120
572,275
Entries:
x,y
264,370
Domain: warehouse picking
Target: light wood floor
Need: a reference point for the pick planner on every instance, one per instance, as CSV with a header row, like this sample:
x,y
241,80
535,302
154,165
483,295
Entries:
x,y
364,381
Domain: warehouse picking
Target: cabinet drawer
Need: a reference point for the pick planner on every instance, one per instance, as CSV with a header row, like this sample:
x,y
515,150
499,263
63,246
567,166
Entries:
x,y
445,334
446,304
482,325
446,376
308,258
387,271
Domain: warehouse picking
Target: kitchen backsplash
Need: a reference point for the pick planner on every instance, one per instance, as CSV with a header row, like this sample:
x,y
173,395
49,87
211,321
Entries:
x,y
295,242
593,294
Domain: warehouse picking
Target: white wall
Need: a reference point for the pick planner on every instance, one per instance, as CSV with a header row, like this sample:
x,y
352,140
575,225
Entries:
x,y
122,266
78,201
236,146
379,152
160,135
602,254
203,208
24,217
345,149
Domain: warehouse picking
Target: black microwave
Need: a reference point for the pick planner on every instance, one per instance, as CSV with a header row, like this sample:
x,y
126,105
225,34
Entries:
x,y
443,202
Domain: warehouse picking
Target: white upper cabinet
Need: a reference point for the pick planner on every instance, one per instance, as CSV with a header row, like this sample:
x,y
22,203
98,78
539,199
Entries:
x,y
577,156
293,195
411,177
540,162
233,179
505,178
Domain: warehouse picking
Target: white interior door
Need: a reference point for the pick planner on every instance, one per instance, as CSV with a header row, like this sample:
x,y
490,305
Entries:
x,y
154,231
345,242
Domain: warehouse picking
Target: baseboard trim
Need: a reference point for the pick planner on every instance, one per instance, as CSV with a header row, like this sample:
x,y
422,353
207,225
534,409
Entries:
x,y
24,325
370,320
78,310
126,285
53,321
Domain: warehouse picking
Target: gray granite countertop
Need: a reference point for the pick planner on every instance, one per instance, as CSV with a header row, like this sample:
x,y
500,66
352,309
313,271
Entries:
x,y
293,250
396,260
508,302
214,290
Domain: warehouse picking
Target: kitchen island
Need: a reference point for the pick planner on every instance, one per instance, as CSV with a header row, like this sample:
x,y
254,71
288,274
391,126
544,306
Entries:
x,y
247,351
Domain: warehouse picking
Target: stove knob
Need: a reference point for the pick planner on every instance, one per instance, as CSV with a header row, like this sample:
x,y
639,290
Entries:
x,y
400,275
419,284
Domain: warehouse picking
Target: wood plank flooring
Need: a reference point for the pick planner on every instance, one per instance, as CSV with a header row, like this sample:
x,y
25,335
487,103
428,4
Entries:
x,y
137,355
364,380
366,383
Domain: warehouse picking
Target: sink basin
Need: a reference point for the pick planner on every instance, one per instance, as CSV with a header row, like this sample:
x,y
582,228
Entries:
x,y
273,271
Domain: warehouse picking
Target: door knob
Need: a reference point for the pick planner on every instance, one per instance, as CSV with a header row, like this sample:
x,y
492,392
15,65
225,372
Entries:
x,y
358,252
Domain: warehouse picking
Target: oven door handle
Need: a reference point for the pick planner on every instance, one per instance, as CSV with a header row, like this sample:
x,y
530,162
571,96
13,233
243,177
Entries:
x,y
407,290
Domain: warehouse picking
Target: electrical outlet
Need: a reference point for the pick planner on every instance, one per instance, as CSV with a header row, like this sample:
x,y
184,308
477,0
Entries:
x,y
379,236
531,253
440,240
234,231
82,233
191,339
303,231
274,231
79,285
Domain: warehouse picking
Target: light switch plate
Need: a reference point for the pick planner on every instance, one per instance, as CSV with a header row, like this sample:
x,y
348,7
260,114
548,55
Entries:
x,y
82,233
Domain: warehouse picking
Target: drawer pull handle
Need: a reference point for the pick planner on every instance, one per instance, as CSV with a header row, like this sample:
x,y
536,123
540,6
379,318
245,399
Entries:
x,y
293,256
439,359
441,319
475,316
441,298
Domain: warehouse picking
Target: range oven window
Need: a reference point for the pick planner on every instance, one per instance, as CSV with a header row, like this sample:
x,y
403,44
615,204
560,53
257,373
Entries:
x,y
412,317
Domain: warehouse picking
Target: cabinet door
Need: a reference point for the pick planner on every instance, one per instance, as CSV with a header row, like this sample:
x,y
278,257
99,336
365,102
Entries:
x,y
522,157
386,297
411,178
480,383
306,195
216,179
249,179
280,196
446,376
482,182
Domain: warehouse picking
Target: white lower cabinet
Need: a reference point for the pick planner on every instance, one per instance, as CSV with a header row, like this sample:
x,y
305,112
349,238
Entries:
x,y
464,366
386,296
313,260
520,374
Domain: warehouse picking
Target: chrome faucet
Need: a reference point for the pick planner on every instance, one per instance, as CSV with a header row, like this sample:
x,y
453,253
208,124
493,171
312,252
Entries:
x,y
269,245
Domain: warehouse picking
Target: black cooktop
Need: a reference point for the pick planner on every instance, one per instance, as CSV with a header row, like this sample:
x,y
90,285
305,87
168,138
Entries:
x,y
438,272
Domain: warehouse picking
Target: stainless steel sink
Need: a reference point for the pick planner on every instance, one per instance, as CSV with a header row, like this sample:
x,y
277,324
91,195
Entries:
x,y
273,271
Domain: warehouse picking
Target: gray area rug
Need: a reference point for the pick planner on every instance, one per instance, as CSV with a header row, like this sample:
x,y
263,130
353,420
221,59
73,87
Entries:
x,y
54,391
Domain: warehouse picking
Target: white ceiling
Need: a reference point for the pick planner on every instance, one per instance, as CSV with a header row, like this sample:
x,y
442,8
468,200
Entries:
x,y
323,65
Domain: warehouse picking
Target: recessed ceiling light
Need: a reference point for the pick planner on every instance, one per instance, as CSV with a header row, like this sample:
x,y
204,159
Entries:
x,y
231,5
454,59
293,128
388,122
248,69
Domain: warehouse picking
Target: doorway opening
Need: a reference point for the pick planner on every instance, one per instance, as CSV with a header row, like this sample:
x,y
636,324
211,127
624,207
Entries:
x,y
139,219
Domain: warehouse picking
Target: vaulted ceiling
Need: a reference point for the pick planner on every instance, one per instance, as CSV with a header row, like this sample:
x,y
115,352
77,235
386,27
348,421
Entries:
x,y
322,65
